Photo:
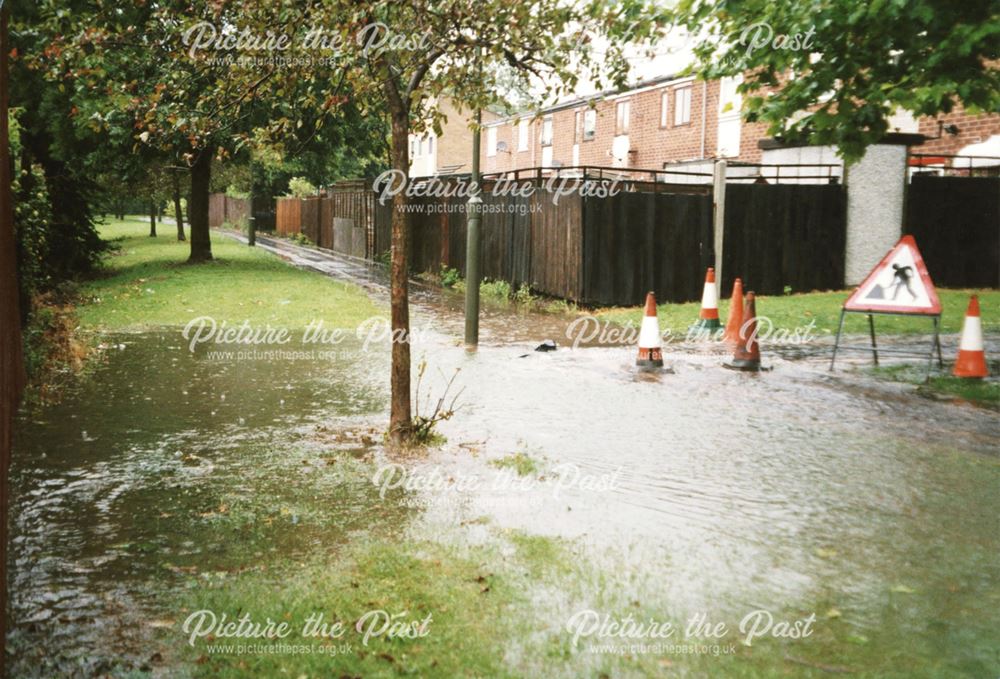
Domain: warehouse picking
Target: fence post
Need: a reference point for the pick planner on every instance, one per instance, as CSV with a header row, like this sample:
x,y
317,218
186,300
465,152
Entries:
x,y
718,214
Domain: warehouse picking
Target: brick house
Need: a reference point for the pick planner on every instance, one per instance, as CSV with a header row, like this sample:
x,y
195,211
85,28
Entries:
x,y
664,120
668,121
448,152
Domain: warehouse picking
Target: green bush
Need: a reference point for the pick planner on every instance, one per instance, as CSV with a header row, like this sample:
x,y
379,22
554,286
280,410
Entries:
x,y
449,276
496,289
300,187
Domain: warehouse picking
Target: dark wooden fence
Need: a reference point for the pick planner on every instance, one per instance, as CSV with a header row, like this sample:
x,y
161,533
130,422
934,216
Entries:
x,y
790,235
606,250
956,223
635,242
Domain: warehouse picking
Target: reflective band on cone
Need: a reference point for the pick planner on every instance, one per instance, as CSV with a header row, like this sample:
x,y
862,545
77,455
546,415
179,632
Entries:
x,y
971,361
708,319
650,355
747,353
732,334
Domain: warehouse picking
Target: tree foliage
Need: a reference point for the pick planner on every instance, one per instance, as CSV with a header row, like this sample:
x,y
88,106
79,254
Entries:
x,y
833,71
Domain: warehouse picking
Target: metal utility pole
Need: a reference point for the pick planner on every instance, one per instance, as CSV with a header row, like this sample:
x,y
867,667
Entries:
x,y
472,247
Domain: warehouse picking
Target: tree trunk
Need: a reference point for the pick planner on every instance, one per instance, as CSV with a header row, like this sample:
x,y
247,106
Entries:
x,y
201,176
11,365
400,425
178,213
152,220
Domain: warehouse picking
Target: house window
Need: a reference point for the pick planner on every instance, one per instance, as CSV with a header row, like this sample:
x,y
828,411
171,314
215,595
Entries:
x,y
682,106
621,117
589,124
430,146
491,141
420,147
413,148
664,108
547,131
730,101
577,126
522,134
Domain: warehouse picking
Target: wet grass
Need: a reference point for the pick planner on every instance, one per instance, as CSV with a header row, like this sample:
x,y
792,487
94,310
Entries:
x,y
822,309
522,463
985,392
147,283
503,609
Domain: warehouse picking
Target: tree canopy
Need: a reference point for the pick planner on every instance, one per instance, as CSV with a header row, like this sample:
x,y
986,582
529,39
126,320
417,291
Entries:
x,y
834,71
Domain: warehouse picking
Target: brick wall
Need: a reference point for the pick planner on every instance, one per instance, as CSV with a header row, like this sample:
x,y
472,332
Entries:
x,y
972,130
650,144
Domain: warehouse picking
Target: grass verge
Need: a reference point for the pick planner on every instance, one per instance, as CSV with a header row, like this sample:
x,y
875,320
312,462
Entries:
x,y
984,392
147,283
823,310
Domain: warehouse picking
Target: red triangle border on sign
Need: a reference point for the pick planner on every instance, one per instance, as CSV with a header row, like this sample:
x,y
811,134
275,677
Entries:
x,y
853,304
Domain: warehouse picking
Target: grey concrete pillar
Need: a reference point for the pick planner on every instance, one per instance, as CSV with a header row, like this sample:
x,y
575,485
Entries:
x,y
875,193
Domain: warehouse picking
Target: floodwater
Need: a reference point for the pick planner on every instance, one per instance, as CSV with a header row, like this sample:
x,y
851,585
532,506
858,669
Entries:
x,y
720,492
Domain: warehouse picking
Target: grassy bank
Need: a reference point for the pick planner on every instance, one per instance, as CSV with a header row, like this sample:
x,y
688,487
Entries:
x,y
823,309
982,392
147,283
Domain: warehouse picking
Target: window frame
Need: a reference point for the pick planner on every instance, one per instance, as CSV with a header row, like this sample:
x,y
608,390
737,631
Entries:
x,y
678,109
622,122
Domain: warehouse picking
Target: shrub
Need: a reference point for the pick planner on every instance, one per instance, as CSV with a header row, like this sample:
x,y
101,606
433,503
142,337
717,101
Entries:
x,y
449,276
300,187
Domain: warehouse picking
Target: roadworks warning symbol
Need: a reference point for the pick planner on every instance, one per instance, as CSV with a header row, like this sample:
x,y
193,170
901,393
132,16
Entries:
x,y
898,284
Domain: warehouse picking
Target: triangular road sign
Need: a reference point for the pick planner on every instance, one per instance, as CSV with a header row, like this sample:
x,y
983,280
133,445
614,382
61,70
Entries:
x,y
899,284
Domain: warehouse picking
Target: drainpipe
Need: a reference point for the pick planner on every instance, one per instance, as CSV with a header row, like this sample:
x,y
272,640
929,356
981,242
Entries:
x,y
704,112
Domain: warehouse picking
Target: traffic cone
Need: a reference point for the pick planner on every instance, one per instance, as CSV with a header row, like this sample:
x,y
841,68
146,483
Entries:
x,y
650,355
971,360
735,320
747,353
709,317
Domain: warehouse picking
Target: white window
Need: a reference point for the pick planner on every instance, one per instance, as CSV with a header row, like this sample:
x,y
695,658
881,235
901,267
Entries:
x,y
664,108
413,147
430,146
547,131
589,123
522,134
730,101
682,106
420,146
621,117
491,141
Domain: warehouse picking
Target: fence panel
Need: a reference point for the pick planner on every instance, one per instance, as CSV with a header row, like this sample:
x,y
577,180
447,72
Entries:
x,y
216,209
288,216
956,223
784,235
635,242
310,216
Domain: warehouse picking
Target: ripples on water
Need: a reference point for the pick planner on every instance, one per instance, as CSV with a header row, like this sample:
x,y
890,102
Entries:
x,y
731,487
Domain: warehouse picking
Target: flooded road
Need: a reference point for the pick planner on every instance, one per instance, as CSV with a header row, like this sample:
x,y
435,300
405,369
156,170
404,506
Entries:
x,y
697,490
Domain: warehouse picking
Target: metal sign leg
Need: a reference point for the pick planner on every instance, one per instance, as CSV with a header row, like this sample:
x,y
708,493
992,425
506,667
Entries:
x,y
836,343
871,331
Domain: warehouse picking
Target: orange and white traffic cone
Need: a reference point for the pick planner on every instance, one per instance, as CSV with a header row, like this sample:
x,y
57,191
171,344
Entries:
x,y
709,317
650,355
747,353
735,320
971,360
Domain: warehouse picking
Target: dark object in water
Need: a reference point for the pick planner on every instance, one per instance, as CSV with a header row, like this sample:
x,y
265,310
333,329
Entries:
x,y
547,345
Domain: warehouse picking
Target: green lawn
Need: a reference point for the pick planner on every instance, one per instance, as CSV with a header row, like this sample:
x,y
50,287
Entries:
x,y
823,308
147,283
